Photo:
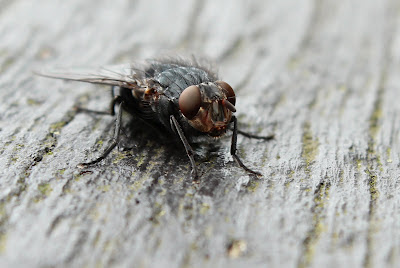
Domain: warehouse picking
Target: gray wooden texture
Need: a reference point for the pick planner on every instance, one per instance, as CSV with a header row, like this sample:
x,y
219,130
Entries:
x,y
324,76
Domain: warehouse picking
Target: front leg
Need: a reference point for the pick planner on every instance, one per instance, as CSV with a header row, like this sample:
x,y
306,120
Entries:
x,y
233,149
189,151
252,136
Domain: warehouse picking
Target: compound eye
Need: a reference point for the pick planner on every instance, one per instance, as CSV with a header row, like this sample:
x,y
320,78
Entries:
x,y
230,94
190,101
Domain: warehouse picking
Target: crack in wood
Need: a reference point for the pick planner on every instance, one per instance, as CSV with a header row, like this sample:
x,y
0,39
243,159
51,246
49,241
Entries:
x,y
321,196
310,147
374,164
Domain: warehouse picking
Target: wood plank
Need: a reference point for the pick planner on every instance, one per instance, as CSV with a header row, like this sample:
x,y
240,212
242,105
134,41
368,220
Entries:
x,y
321,75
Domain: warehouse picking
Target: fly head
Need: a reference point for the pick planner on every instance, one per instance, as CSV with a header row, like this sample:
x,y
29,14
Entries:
x,y
208,107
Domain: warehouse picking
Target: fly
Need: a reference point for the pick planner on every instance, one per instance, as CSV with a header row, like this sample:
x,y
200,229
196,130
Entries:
x,y
176,96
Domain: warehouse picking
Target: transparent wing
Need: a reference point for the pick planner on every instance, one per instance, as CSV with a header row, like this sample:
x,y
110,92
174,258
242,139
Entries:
x,y
118,75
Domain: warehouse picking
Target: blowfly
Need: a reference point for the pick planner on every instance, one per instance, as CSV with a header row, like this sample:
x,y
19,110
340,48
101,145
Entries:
x,y
176,96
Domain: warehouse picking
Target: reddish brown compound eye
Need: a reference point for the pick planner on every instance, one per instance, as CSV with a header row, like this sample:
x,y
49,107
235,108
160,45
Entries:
x,y
230,94
190,101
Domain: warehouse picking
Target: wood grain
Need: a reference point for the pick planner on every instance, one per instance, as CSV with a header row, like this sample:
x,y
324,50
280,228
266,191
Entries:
x,y
323,76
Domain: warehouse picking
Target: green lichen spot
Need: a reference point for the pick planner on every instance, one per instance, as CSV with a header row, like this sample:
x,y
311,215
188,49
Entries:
x,y
96,239
158,213
341,176
189,195
253,185
373,179
57,125
359,164
140,159
388,153
104,188
293,63
33,102
77,177
45,189
136,186
119,157
373,157
310,146
374,119
130,196
6,64
343,88
2,212
204,208
3,242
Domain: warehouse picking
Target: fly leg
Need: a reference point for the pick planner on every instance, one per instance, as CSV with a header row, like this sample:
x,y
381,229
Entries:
x,y
233,149
115,138
114,100
189,151
252,136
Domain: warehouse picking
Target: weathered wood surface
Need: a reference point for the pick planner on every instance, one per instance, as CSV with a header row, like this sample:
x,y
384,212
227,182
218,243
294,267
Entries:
x,y
324,76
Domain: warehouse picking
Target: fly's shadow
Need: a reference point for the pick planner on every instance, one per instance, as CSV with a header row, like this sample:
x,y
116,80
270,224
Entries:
x,y
138,139
141,144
